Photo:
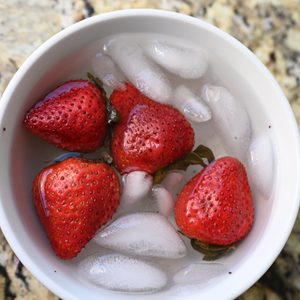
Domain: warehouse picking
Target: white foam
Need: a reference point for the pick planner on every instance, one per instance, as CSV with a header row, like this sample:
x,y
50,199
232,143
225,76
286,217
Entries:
x,y
147,234
182,61
121,273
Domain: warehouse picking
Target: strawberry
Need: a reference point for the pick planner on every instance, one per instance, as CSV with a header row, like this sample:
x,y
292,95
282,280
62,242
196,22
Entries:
x,y
215,206
73,199
72,117
149,135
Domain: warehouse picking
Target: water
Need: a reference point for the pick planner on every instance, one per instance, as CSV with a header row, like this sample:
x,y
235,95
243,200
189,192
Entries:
x,y
166,69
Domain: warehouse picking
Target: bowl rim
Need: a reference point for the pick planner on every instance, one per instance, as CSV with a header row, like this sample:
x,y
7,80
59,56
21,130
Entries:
x,y
16,245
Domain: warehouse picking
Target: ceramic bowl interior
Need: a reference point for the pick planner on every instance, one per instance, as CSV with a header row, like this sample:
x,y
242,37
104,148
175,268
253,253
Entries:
x,y
23,155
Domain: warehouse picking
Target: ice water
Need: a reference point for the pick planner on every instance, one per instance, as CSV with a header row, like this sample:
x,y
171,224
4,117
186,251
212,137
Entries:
x,y
182,74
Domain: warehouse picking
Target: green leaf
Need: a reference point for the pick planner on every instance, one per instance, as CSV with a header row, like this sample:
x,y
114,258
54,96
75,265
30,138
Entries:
x,y
211,252
98,83
106,157
204,151
159,176
196,157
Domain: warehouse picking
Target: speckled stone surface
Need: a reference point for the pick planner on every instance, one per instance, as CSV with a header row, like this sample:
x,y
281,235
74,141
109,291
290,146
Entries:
x,y
270,28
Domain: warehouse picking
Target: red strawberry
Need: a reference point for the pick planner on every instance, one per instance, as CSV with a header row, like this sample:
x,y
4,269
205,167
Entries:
x,y
72,117
216,206
149,135
73,199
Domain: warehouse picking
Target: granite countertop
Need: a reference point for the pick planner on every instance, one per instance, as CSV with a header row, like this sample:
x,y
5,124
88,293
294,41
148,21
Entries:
x,y
270,28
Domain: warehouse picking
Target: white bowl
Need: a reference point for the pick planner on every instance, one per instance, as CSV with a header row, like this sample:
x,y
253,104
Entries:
x,y
22,155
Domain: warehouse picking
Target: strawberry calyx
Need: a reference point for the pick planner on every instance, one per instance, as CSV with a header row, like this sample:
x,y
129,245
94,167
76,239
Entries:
x,y
106,158
202,155
103,157
112,114
211,252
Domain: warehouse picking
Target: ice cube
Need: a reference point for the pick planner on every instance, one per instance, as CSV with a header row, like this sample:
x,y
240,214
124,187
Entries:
x,y
122,273
141,72
260,164
163,200
107,71
136,185
199,273
182,61
190,105
173,180
147,234
230,119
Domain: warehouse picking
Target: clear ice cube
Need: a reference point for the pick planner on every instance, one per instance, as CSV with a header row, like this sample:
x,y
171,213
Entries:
x,y
182,61
260,164
199,273
136,185
190,105
141,72
107,71
230,119
172,181
122,273
146,234
163,199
